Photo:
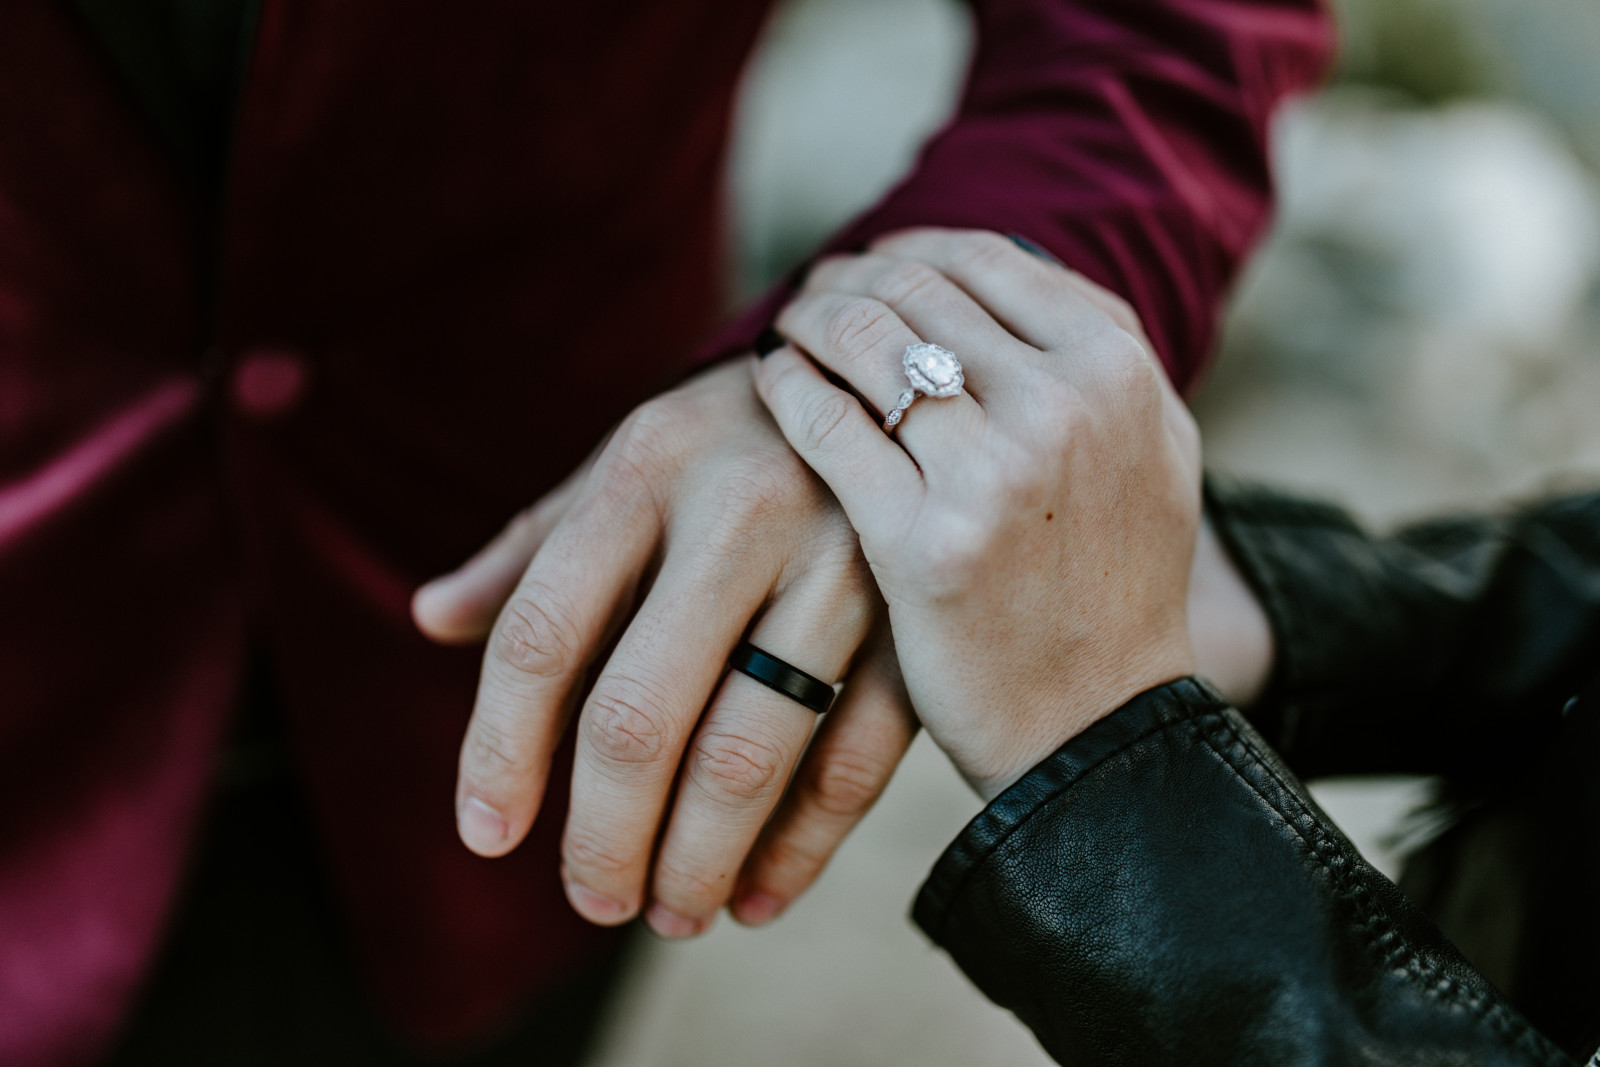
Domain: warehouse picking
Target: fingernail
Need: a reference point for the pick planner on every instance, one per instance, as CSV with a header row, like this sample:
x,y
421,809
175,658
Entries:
x,y
757,908
594,907
1036,249
671,924
768,341
481,827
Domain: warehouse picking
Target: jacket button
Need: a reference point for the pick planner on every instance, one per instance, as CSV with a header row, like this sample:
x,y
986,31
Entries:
x,y
268,383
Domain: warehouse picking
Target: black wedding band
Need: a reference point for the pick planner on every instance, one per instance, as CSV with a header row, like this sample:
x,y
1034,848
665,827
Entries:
x,y
773,673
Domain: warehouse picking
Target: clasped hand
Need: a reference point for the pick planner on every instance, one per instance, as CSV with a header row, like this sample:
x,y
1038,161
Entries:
x,y
1032,537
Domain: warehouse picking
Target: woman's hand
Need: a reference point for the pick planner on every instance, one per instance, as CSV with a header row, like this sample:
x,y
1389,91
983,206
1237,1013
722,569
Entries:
x,y
1033,536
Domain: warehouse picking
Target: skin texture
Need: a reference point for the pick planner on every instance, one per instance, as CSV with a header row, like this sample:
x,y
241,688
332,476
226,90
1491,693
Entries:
x,y
696,520
692,523
1228,627
1033,537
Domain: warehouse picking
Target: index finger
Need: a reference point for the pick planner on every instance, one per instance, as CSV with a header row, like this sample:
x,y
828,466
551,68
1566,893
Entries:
x,y
833,433
542,643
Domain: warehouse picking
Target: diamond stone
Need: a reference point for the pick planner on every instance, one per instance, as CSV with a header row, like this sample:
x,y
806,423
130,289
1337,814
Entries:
x,y
933,370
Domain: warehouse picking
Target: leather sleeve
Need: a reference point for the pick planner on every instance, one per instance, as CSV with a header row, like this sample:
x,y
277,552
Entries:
x,y
1129,137
1450,647
1162,890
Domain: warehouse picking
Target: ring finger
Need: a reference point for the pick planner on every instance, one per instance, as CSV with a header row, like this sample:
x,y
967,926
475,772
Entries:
x,y
742,757
863,341
845,769
936,308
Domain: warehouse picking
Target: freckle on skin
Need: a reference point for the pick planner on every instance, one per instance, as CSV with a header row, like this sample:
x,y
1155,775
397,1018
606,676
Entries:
x,y
1049,515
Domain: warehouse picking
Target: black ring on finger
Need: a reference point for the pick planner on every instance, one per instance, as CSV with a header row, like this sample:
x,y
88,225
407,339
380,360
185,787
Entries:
x,y
774,673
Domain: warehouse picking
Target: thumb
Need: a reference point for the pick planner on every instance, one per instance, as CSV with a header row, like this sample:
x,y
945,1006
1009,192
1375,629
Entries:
x,y
460,607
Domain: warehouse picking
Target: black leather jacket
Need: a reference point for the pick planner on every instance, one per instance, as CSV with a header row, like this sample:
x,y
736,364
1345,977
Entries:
x,y
1163,890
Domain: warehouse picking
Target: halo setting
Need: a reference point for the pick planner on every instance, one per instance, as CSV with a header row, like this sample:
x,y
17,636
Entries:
x,y
932,371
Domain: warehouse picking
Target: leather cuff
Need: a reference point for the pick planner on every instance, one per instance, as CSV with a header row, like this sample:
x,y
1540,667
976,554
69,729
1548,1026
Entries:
x,y
1143,717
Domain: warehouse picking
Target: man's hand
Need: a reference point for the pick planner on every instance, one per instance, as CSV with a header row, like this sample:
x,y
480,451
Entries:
x,y
697,507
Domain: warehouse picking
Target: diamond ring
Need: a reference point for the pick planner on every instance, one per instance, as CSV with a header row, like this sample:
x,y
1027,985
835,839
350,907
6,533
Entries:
x,y
932,371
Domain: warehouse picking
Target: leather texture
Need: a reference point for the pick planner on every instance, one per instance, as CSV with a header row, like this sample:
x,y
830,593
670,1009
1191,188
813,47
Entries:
x,y
1466,647
1163,890
1458,641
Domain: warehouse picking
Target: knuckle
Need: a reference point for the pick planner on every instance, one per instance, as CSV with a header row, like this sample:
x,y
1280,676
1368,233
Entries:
x,y
982,248
630,476
652,434
493,751
755,494
536,636
674,880
826,269
904,280
626,722
847,784
1121,349
786,861
1124,373
1119,309
585,851
753,487
957,553
824,418
738,766
1142,375
1061,408
857,327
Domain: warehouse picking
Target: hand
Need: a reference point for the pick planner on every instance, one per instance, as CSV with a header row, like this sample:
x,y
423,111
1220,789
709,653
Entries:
x,y
697,507
1033,536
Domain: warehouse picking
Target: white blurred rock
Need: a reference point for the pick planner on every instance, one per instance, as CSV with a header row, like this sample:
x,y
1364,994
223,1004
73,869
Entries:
x,y
1435,271
1492,222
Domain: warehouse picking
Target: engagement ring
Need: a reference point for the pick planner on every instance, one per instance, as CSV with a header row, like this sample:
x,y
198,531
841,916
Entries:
x,y
932,371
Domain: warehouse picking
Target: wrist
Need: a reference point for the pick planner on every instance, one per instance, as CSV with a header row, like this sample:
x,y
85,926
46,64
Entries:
x,y
1091,699
1229,629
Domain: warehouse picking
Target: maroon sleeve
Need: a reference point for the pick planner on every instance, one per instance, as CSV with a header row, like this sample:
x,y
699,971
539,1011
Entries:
x,y
1129,137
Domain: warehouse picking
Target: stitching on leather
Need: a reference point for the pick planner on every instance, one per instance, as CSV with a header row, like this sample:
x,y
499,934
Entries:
x,y
1391,949
1384,938
1385,941
956,891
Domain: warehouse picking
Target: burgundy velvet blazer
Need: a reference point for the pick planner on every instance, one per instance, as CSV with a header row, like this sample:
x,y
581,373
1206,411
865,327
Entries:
x,y
457,244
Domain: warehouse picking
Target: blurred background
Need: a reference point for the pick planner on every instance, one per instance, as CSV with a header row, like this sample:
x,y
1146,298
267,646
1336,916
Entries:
x,y
1421,331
